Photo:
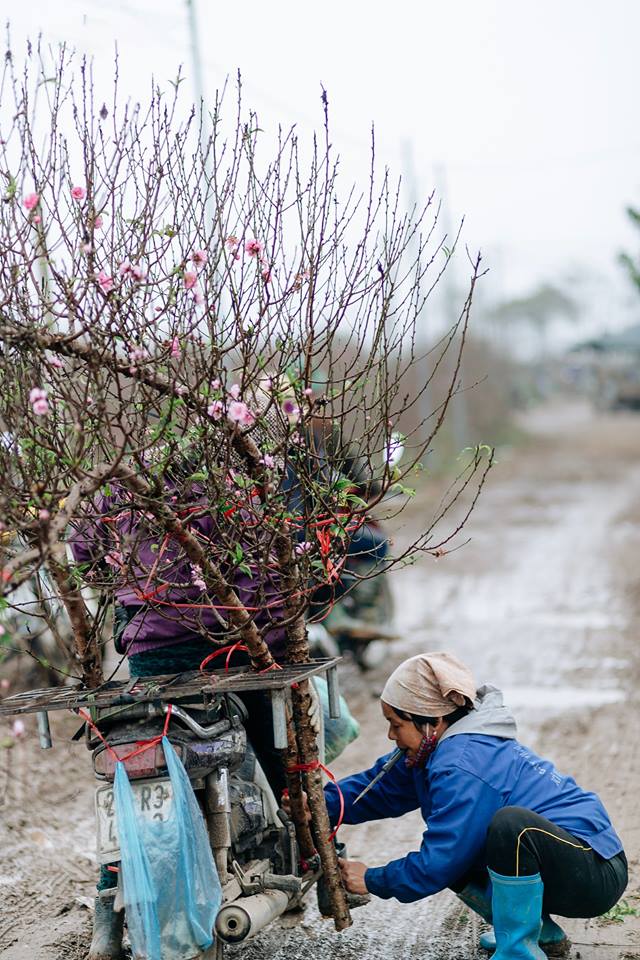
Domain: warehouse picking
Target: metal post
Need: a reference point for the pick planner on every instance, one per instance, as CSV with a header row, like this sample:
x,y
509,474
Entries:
x,y
44,731
334,693
279,711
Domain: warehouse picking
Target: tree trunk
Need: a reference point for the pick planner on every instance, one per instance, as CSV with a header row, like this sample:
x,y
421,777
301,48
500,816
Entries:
x,y
85,641
294,780
308,752
298,652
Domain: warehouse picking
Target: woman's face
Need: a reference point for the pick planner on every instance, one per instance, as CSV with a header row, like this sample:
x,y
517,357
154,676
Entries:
x,y
404,733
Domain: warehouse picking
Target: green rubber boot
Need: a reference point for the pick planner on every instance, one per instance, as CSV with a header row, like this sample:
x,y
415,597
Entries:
x,y
553,940
517,916
478,900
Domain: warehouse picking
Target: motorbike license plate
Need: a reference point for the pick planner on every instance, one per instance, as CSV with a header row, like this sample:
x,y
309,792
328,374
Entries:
x,y
153,800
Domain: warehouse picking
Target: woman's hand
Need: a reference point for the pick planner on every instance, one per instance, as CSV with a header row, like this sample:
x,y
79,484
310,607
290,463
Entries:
x,y
285,803
353,875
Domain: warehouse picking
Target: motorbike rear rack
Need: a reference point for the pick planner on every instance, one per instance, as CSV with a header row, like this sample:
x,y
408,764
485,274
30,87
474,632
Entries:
x,y
182,686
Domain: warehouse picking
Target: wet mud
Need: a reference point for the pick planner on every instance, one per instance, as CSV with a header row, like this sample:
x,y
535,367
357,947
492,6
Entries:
x,y
543,601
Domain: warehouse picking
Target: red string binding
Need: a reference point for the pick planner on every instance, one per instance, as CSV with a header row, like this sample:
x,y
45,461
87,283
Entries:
x,y
315,765
229,650
141,745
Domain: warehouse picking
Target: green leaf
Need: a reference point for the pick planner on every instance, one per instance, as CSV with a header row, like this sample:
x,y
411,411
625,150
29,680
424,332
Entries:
x,y
405,491
12,187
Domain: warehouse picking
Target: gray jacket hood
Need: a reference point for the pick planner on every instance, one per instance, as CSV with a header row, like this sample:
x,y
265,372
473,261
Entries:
x,y
489,717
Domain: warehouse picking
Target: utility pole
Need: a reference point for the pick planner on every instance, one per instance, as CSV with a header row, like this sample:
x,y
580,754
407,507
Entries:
x,y
206,129
459,409
425,409
196,60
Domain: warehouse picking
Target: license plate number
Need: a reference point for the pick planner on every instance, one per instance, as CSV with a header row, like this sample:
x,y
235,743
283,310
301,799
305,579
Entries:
x,y
153,800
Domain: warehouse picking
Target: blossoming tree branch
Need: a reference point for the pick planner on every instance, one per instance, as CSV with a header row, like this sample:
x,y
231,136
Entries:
x,y
201,335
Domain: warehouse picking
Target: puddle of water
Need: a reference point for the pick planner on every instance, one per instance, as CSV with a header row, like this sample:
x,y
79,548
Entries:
x,y
559,699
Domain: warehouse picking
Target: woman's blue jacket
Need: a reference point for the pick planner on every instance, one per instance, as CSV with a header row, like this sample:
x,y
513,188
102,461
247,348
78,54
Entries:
x,y
465,781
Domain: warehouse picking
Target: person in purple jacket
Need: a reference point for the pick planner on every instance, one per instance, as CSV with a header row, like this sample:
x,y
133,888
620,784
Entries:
x,y
164,620
513,837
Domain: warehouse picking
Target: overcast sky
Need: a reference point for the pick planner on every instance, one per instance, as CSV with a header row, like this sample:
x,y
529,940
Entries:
x,y
523,115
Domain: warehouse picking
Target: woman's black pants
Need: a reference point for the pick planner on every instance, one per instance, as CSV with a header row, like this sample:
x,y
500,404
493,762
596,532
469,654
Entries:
x,y
578,882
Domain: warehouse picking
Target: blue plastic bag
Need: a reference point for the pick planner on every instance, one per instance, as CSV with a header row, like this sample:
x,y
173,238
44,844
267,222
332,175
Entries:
x,y
338,734
171,887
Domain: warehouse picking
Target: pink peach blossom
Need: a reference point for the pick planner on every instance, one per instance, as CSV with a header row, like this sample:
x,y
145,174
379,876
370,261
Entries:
x,y
216,409
124,268
18,729
78,193
189,279
31,201
55,362
232,243
36,219
138,273
97,223
239,413
234,391
266,275
253,248
199,258
196,577
137,353
268,461
215,384
114,559
105,281
198,297
175,347
38,401
302,548
44,514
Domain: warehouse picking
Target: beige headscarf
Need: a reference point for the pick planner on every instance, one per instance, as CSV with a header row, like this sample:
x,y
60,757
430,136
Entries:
x,y
430,685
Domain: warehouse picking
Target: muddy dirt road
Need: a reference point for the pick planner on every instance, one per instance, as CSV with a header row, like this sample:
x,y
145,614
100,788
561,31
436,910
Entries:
x,y
543,601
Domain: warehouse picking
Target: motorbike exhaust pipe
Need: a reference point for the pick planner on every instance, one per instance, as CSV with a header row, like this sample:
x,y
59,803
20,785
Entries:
x,y
247,916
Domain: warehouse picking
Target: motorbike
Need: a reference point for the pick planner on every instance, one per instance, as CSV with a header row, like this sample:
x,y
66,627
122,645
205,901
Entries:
x,y
253,841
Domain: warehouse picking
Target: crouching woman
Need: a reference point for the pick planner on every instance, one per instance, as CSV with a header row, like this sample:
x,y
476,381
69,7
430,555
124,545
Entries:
x,y
514,838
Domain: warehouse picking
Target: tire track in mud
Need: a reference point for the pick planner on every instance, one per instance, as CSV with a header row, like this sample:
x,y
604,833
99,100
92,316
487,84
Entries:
x,y
439,929
47,838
